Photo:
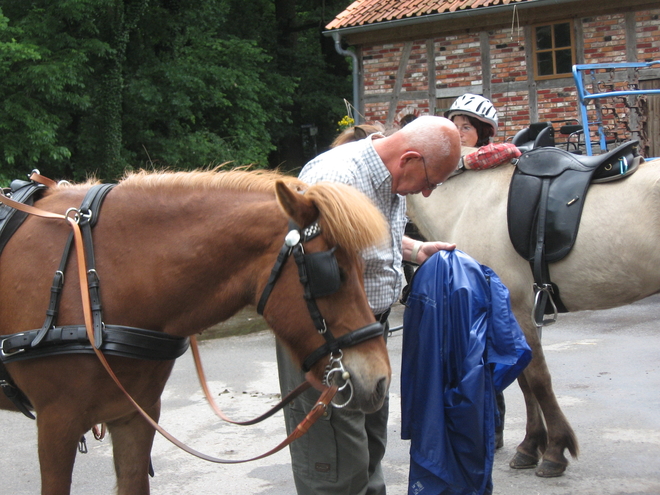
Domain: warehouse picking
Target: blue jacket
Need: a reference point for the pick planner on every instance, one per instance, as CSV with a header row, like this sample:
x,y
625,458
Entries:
x,y
461,344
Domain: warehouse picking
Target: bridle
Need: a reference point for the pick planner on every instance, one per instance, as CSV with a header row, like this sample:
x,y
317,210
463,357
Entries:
x,y
319,276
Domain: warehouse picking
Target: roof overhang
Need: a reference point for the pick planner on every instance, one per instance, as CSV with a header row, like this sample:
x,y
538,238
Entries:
x,y
444,17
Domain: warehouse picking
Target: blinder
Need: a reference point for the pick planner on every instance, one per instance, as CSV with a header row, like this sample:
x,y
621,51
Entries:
x,y
322,273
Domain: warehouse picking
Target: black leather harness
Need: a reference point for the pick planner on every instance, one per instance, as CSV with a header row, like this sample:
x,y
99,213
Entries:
x,y
546,197
50,340
319,275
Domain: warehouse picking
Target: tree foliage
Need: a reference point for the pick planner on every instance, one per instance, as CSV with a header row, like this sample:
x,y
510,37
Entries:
x,y
95,87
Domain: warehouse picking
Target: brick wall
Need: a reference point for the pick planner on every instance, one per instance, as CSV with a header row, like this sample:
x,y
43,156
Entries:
x,y
380,67
508,65
458,61
648,35
604,39
458,65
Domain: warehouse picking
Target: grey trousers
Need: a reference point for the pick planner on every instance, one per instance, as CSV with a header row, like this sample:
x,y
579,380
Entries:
x,y
341,453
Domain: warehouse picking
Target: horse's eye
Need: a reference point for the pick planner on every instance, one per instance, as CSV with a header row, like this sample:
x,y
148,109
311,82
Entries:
x,y
342,275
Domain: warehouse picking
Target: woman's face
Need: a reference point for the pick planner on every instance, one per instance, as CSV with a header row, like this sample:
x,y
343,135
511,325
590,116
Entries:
x,y
467,132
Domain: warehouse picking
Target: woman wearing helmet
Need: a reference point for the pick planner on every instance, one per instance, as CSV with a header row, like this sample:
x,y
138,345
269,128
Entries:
x,y
476,120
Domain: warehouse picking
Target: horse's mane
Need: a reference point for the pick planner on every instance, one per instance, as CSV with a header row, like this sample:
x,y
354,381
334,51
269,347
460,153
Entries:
x,y
347,216
237,180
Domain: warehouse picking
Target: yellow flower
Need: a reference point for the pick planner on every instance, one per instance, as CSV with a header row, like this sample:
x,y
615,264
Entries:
x,y
345,123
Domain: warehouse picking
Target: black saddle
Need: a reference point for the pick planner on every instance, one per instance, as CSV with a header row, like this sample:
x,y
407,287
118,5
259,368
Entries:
x,y
546,198
537,135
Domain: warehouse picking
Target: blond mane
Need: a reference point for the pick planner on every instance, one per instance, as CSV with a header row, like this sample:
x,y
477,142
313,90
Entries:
x,y
347,216
237,180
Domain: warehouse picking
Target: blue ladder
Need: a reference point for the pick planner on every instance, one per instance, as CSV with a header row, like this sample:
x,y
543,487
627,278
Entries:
x,y
585,96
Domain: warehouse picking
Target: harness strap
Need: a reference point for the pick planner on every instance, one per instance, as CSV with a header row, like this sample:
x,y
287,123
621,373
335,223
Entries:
x,y
89,209
55,293
118,340
350,339
40,179
274,275
13,393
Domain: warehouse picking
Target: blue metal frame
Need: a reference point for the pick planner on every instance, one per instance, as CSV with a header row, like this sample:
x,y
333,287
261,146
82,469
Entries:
x,y
585,97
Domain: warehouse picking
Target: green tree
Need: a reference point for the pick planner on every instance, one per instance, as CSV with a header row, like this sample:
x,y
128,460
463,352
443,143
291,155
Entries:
x,y
99,86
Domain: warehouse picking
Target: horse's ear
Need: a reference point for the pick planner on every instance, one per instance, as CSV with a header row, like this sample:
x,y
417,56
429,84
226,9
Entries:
x,y
359,133
296,205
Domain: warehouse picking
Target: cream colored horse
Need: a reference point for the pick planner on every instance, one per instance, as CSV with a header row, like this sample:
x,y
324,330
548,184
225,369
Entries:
x,y
615,261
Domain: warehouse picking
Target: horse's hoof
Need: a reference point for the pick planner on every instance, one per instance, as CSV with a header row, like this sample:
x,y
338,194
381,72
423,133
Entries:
x,y
523,461
550,469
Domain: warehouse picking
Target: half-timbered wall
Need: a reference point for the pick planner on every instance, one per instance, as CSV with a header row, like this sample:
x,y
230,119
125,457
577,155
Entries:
x,y
498,64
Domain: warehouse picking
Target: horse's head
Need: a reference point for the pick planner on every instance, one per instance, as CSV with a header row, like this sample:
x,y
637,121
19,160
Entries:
x,y
316,304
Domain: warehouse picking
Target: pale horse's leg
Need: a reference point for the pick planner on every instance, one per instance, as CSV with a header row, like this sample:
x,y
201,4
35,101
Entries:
x,y
541,404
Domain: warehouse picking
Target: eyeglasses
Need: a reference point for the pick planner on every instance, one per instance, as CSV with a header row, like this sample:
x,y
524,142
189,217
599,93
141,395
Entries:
x,y
465,128
429,186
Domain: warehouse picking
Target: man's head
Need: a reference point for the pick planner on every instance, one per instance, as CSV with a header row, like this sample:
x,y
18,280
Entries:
x,y
420,155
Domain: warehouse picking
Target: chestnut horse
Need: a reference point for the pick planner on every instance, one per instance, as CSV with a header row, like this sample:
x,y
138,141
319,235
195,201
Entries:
x,y
178,253
615,261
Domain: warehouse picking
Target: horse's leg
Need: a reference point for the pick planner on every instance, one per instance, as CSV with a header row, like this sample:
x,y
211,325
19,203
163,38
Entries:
x,y
531,448
58,437
132,439
560,435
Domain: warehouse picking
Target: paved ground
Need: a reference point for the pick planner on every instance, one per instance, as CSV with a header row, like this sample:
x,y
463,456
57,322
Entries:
x,y
606,371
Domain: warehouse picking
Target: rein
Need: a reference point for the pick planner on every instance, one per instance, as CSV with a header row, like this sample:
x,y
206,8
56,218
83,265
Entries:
x,y
194,347
73,216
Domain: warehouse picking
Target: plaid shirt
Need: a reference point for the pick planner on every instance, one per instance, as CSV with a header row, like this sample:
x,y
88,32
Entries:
x,y
357,164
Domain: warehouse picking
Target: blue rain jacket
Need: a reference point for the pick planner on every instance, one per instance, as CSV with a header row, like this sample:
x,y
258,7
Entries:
x,y
461,344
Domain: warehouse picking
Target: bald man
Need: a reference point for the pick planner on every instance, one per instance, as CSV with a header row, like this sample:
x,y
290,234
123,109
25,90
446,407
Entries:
x,y
341,454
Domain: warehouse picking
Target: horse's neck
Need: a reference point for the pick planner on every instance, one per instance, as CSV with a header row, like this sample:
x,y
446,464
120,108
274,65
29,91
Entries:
x,y
443,214
204,254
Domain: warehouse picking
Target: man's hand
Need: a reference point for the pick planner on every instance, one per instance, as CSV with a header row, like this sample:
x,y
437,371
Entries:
x,y
421,251
491,155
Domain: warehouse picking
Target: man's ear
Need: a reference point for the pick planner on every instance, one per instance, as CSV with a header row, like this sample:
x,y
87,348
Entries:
x,y
407,156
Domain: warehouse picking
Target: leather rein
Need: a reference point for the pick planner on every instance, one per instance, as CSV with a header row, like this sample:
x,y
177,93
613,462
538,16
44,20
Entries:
x,y
93,329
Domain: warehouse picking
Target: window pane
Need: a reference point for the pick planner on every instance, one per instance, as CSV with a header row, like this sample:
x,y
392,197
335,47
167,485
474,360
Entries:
x,y
545,64
543,38
564,61
562,35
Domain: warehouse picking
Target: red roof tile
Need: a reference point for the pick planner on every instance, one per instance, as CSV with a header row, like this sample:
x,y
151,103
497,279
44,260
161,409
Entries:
x,y
363,12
